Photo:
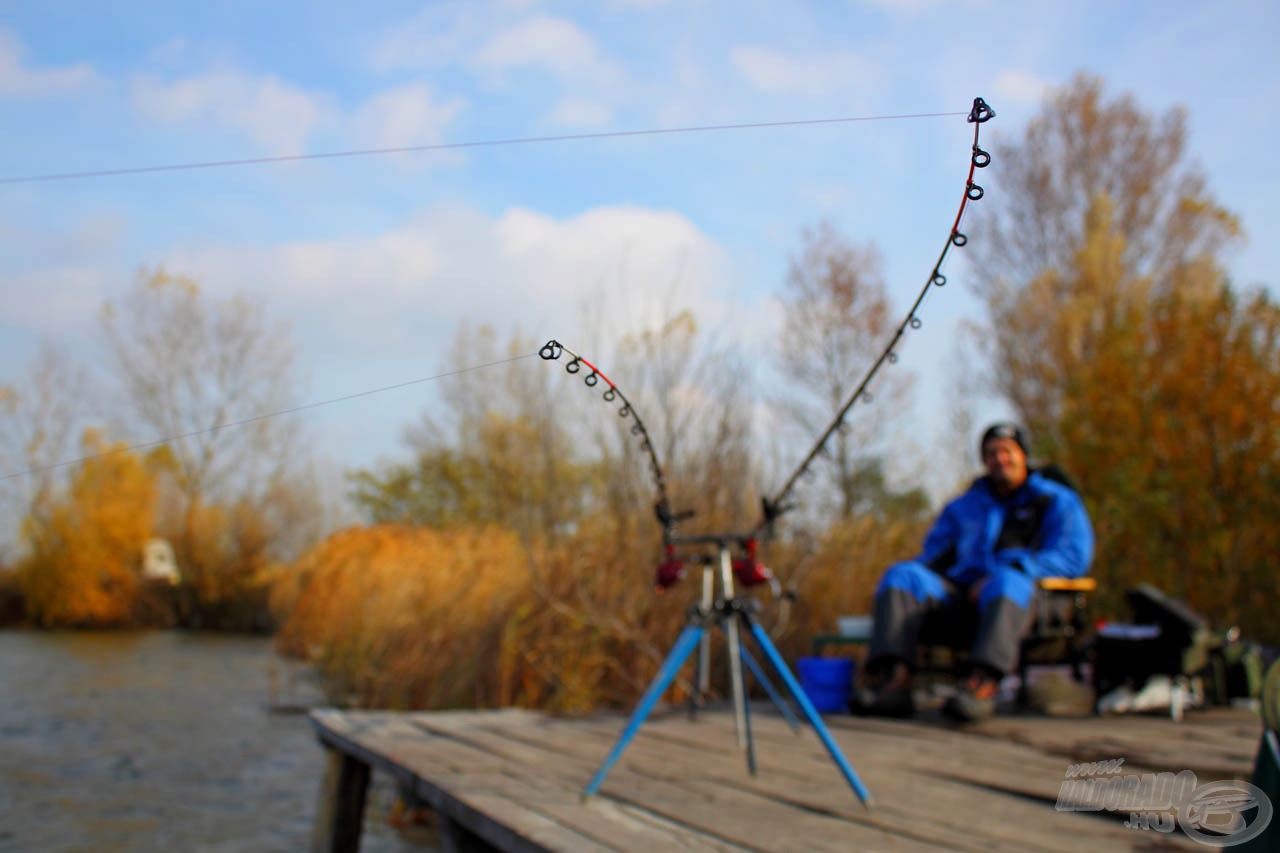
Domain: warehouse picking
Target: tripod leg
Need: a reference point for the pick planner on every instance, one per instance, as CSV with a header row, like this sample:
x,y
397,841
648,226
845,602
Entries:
x,y
704,647
735,650
702,663
666,674
764,682
746,712
735,681
695,695
811,714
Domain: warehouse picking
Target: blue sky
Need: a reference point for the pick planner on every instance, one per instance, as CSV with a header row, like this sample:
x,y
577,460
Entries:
x,y
375,261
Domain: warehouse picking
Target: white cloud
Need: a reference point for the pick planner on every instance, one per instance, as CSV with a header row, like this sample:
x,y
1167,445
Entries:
x,y
406,116
484,40
420,280
774,72
688,95
554,45
83,240
468,34
56,300
1020,87
275,114
392,290
63,276
436,36
582,112
20,80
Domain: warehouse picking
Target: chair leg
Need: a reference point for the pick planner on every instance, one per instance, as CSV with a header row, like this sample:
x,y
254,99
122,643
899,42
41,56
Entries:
x,y
1024,696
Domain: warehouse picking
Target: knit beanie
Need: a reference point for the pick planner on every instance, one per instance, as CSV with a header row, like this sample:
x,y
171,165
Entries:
x,y
1003,430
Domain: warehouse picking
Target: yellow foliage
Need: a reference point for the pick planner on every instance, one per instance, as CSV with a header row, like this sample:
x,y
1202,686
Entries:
x,y
224,551
84,559
402,616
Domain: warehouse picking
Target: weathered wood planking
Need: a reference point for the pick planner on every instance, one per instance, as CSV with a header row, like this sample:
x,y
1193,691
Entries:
x,y
513,779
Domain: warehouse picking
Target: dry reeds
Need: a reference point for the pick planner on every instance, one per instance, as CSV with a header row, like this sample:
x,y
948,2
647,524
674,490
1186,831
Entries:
x,y
405,617
401,617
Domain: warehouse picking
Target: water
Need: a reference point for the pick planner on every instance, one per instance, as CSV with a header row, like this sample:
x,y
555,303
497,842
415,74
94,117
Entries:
x,y
159,741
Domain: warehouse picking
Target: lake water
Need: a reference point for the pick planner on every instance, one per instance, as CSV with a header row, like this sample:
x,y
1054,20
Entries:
x,y
160,741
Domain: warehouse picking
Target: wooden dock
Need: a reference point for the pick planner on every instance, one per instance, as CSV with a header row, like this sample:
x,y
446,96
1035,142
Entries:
x,y
513,780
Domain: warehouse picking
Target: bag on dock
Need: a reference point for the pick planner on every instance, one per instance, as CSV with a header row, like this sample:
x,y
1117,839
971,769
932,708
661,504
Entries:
x,y
1168,638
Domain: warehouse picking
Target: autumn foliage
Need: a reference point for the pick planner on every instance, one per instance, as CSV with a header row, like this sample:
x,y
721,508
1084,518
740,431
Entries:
x,y
86,550
85,543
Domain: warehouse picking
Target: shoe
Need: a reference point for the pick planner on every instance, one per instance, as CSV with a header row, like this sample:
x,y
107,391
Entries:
x,y
974,701
885,696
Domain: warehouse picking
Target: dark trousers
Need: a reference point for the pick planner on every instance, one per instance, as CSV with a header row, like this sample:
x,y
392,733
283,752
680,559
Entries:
x,y
910,591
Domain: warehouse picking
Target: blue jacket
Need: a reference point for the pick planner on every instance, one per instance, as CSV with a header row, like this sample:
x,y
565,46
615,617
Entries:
x,y
1041,529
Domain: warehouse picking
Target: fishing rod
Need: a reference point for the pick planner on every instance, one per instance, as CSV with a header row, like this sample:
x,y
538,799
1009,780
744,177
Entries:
x,y
773,508
553,350
746,567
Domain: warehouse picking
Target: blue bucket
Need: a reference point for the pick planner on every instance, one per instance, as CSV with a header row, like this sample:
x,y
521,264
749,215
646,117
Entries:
x,y
827,682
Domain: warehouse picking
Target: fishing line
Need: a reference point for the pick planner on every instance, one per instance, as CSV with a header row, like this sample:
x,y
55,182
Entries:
x,y
257,418
450,146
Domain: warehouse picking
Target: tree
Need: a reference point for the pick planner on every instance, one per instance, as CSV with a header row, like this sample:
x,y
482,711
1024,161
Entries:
x,y
495,453
237,494
691,393
41,418
835,323
189,366
1117,337
85,550
1082,146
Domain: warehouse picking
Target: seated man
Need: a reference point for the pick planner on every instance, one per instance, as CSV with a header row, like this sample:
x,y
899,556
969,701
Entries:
x,y
988,547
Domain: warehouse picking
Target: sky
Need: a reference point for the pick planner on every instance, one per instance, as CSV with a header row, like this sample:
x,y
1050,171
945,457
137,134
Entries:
x,y
374,262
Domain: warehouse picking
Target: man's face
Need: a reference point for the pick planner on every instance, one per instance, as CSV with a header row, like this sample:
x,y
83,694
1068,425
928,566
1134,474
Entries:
x,y
1005,462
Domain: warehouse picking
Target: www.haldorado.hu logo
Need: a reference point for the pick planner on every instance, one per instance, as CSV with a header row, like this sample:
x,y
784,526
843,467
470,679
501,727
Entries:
x,y
1219,814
